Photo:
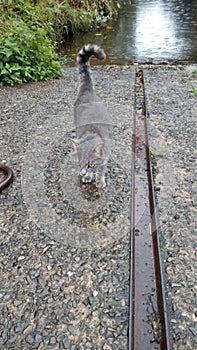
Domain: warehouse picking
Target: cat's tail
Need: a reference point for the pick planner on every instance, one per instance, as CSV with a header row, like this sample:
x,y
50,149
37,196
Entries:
x,y
87,51
83,59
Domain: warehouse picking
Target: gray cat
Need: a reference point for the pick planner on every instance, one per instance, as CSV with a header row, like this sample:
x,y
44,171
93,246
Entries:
x,y
92,121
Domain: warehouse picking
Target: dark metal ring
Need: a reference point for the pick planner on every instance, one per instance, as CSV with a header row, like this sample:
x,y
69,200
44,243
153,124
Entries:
x,y
9,175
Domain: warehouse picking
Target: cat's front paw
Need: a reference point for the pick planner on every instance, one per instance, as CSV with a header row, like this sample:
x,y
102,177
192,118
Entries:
x,y
101,184
87,178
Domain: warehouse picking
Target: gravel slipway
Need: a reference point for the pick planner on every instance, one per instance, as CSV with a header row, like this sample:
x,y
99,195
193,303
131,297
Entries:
x,y
60,290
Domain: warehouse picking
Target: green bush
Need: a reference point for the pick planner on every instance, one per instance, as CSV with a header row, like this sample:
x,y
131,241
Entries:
x,y
27,54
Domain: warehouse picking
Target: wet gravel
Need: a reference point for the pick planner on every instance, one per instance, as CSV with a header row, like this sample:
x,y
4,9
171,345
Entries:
x,y
64,246
60,290
172,106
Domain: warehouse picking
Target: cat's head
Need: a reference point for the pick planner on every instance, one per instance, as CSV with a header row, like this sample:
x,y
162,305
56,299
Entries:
x,y
91,155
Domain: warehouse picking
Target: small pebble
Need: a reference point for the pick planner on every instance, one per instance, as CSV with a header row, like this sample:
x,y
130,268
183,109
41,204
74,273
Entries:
x,y
30,339
65,342
95,293
72,330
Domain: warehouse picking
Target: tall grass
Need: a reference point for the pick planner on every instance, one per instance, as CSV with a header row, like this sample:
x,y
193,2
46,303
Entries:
x,y
59,18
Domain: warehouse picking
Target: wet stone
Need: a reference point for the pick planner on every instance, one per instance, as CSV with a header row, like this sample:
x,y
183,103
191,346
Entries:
x,y
73,347
28,329
52,341
65,342
50,300
106,347
86,301
89,345
5,335
193,330
38,338
72,330
176,216
17,302
19,327
30,339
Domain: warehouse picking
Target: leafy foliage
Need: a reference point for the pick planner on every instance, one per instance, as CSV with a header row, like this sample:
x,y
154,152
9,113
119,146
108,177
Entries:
x,y
27,54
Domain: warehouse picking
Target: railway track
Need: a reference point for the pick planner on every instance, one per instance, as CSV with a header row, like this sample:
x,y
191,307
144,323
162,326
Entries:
x,y
148,326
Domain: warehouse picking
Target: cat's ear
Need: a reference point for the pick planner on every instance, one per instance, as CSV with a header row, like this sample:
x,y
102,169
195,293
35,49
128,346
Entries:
x,y
99,150
74,144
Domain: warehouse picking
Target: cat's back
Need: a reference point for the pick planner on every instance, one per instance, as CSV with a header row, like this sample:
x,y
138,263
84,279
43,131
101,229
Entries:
x,y
94,112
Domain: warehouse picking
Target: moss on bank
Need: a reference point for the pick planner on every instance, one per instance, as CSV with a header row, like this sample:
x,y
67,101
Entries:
x,y
29,31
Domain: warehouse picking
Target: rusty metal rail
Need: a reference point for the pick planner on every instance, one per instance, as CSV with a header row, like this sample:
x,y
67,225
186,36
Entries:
x,y
8,176
148,327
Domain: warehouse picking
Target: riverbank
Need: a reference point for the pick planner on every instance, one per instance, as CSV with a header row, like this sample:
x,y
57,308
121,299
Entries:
x,y
63,291
30,33
58,19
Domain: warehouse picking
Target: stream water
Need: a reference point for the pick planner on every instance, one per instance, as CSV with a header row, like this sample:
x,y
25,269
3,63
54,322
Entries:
x,y
147,31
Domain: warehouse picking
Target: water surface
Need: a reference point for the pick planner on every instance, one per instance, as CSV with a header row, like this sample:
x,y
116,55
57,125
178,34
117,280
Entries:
x,y
146,31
